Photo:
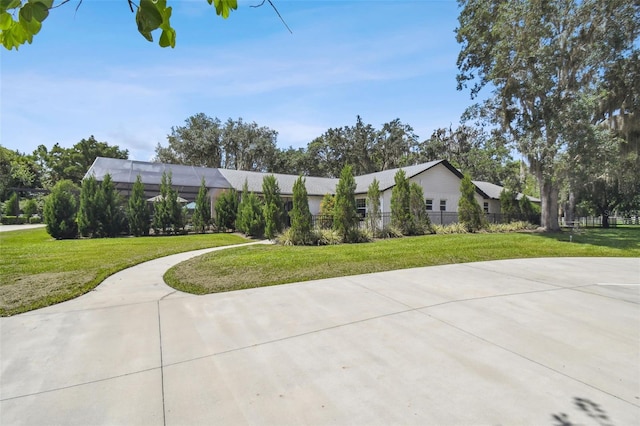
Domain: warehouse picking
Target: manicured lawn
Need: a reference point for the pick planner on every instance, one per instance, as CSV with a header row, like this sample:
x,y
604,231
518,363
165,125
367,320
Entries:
x,y
257,266
37,271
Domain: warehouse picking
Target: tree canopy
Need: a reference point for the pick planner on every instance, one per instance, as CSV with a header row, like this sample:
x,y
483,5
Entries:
x,y
545,61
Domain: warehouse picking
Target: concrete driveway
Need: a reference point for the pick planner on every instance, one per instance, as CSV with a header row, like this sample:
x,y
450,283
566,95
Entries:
x,y
537,341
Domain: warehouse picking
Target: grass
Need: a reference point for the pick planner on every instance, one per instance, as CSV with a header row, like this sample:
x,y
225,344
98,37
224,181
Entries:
x,y
257,266
37,271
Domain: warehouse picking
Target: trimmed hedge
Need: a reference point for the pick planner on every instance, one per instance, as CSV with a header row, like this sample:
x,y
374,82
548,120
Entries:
x,y
13,220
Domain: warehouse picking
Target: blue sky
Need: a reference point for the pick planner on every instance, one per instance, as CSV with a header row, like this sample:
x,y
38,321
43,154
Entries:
x,y
90,72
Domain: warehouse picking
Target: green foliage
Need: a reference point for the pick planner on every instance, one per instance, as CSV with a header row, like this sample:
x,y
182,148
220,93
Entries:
x,y
30,207
249,219
72,163
527,209
12,205
373,207
226,208
400,203
109,214
90,206
509,205
345,214
542,62
300,214
327,205
202,213
20,20
420,222
138,210
469,211
168,216
60,210
13,220
273,209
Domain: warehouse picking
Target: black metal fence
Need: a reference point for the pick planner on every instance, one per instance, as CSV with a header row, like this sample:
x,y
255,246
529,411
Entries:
x,y
437,218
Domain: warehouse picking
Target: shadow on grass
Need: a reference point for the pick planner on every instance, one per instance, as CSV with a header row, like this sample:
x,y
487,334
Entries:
x,y
620,238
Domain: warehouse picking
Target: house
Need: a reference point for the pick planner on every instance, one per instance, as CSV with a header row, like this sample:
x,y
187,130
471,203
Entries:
x,y
439,180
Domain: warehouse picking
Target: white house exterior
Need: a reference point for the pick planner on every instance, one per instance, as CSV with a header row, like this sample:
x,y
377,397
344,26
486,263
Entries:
x,y
440,182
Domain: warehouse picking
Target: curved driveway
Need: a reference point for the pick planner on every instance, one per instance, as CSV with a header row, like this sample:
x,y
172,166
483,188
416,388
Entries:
x,y
534,341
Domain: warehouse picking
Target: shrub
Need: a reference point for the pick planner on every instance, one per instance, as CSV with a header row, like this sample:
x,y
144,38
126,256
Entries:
x,y
138,210
420,222
327,237
13,220
60,210
469,211
202,213
300,216
356,236
400,203
273,209
226,208
345,214
250,220
390,231
35,219
90,206
30,207
452,228
12,206
373,207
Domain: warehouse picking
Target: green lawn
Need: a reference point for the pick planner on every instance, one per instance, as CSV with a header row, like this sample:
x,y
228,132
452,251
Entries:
x,y
257,266
37,271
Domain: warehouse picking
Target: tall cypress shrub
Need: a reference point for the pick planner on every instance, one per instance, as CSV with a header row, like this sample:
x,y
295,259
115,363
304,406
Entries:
x,y
60,211
345,214
138,210
469,211
226,208
373,207
273,209
87,211
202,213
300,214
400,203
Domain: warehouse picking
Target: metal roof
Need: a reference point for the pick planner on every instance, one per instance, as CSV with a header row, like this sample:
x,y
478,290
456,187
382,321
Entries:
x,y
494,191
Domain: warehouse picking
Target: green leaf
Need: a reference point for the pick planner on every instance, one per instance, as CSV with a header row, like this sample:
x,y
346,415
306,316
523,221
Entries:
x,y
5,21
26,12
9,4
168,38
47,3
223,7
40,11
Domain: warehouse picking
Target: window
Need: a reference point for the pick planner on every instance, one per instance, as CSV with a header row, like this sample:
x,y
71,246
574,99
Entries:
x,y
443,205
361,206
429,204
486,207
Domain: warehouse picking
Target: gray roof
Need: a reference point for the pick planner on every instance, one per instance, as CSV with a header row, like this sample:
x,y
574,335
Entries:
x,y
314,185
386,178
493,191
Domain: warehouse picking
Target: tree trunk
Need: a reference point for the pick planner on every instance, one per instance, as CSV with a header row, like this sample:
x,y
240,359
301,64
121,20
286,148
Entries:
x,y
570,212
549,207
605,219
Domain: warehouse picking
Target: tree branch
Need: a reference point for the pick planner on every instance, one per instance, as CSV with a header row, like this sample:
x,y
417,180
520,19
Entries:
x,y
277,12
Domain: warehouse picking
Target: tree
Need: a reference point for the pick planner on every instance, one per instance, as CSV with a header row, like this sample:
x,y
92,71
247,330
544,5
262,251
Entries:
x,y
88,212
527,210
300,214
345,214
226,209
205,141
60,210
202,213
250,220
30,207
373,207
168,216
12,206
509,205
400,203
420,221
273,209
138,210
73,163
22,19
109,212
17,170
542,58
395,146
469,211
